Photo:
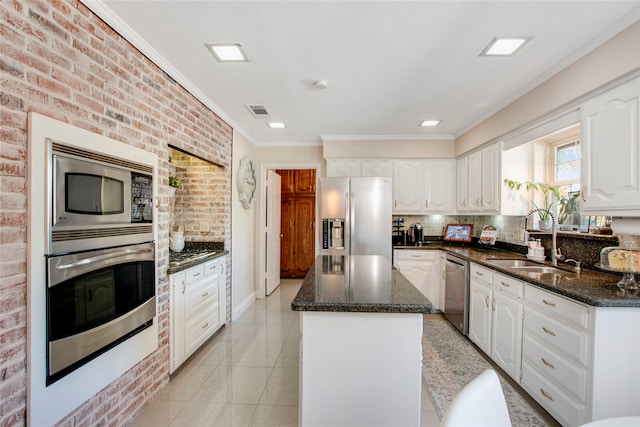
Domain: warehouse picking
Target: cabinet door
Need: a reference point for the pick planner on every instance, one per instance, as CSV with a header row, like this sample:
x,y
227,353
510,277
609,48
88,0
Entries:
x,y
222,291
343,167
297,246
305,181
424,276
439,187
461,184
377,167
407,186
610,153
474,182
177,302
287,182
490,190
480,315
506,339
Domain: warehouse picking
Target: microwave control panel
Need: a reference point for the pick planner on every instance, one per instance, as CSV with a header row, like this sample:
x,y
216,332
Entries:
x,y
141,197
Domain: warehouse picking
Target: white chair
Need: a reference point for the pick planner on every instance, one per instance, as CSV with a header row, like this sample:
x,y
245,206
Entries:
x,y
479,403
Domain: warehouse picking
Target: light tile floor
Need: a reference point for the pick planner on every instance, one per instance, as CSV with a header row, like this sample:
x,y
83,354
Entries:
x,y
247,375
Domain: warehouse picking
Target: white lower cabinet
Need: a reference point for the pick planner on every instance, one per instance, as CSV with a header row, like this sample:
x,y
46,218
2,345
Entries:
x,y
197,307
422,269
495,317
577,361
556,354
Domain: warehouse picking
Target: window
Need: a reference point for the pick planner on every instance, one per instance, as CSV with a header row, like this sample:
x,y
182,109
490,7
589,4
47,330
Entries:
x,y
564,173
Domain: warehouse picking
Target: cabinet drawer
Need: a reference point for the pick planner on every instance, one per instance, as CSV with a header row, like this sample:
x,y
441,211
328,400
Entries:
x,y
565,409
569,376
569,341
195,274
557,306
508,285
411,255
201,327
211,268
201,294
481,274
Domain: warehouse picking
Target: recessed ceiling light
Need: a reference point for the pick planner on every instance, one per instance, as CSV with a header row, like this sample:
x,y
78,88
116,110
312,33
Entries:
x,y
429,123
505,46
276,125
229,52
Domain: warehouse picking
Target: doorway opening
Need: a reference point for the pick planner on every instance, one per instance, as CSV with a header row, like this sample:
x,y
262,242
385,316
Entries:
x,y
298,221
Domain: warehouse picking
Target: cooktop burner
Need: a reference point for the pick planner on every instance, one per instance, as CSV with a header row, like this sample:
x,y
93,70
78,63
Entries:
x,y
188,255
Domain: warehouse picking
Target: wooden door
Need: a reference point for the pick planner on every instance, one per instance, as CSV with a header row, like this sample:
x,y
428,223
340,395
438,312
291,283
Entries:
x,y
298,213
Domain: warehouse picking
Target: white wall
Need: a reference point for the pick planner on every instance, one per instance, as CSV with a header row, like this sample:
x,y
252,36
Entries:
x,y
615,58
243,236
389,148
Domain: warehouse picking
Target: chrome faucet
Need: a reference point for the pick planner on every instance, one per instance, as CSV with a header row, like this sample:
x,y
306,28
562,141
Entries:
x,y
577,267
556,254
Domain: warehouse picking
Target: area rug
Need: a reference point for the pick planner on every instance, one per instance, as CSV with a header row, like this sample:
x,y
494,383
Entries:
x,y
450,362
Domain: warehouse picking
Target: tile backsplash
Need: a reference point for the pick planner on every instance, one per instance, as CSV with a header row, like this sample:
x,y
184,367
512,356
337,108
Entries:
x,y
584,247
509,227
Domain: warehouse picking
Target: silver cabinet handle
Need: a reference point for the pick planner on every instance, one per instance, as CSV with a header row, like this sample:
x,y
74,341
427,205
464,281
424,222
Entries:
x,y
548,331
548,303
544,393
486,301
184,286
549,364
583,193
505,284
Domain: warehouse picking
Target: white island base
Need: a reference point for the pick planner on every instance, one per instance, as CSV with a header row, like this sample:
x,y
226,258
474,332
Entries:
x,y
360,369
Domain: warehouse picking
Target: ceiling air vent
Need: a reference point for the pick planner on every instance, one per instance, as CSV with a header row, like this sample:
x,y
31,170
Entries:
x,y
258,110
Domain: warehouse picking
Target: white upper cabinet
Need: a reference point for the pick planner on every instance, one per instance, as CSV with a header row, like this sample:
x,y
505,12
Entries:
x,y
344,167
482,192
423,186
407,186
610,165
462,167
377,167
359,167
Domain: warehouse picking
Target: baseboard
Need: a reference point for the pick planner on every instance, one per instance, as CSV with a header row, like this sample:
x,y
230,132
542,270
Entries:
x,y
238,310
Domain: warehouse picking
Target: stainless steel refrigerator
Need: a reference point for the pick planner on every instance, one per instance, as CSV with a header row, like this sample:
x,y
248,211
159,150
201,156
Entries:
x,y
356,216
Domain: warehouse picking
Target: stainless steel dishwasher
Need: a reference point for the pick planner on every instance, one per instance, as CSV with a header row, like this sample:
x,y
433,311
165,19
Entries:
x,y
456,293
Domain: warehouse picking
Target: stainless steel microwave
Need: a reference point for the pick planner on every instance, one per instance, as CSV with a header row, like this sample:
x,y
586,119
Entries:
x,y
96,196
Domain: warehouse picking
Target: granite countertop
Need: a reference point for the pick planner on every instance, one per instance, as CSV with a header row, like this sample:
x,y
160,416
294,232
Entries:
x,y
172,269
587,286
358,283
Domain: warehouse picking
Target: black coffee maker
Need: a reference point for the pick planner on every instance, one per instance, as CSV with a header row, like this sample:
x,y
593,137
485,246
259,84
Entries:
x,y
418,234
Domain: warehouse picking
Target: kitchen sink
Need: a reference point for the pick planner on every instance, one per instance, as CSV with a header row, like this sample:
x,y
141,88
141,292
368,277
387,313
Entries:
x,y
515,263
525,266
541,269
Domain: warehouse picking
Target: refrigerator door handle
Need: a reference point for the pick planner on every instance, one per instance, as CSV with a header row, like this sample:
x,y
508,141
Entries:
x,y
352,219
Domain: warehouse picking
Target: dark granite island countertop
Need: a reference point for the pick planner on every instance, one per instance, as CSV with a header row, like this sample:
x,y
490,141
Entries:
x,y
358,283
361,347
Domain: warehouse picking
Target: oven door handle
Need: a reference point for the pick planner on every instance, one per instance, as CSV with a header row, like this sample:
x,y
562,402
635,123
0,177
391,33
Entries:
x,y
99,258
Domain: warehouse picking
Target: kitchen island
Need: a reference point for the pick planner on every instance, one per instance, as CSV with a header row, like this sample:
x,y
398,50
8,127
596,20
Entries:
x,y
361,347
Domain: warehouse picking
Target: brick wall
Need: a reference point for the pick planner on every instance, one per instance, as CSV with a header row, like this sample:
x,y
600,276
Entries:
x,y
60,60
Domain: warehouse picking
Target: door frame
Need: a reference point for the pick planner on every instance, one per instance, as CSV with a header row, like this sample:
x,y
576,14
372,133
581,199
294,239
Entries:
x,y
261,227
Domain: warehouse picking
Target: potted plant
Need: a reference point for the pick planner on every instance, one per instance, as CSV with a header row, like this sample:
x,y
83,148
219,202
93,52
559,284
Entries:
x,y
174,183
548,194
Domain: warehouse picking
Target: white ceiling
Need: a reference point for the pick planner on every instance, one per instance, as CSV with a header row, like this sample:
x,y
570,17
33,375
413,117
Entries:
x,y
389,64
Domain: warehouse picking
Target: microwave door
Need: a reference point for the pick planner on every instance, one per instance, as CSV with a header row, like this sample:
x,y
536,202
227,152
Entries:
x,y
89,193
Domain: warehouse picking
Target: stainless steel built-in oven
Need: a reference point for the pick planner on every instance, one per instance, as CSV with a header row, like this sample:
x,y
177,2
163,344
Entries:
x,y
456,293
95,300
